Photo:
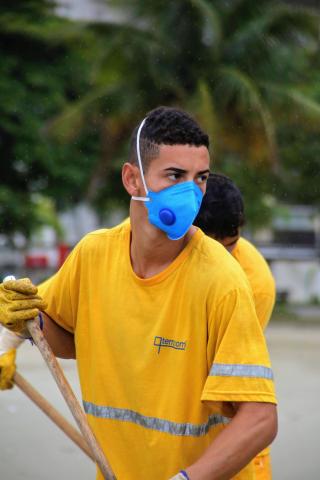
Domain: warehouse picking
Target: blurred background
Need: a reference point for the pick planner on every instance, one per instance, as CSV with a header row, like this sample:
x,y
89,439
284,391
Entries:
x,y
76,76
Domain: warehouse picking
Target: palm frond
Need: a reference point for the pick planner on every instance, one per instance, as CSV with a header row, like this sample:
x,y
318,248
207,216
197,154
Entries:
x,y
66,126
212,22
239,93
203,107
52,30
299,107
276,23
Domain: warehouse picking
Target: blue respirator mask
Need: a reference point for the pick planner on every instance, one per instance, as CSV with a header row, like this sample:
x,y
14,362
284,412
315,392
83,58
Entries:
x,y
173,209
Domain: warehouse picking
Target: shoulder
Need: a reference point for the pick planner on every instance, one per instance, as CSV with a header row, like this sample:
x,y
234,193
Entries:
x,y
214,255
104,237
217,267
247,254
247,248
254,265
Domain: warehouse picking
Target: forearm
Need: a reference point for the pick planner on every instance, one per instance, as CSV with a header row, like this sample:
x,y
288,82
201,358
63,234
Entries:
x,y
252,429
60,340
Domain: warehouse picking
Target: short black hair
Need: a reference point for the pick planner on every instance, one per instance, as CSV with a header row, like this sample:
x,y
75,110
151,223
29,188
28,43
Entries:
x,y
222,210
165,126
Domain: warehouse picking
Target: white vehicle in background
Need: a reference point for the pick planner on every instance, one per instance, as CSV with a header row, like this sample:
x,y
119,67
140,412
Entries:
x,y
292,247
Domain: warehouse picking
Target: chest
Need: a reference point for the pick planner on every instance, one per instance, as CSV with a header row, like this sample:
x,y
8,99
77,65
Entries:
x,y
162,326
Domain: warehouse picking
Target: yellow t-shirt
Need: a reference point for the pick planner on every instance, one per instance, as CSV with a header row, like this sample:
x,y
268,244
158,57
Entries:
x,y
262,284
159,357
259,276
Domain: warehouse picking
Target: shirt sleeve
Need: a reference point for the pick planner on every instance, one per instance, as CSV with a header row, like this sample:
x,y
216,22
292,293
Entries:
x,y
238,359
264,305
61,292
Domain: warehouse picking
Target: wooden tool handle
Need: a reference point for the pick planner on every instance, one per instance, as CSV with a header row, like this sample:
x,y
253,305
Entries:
x,y
52,413
70,398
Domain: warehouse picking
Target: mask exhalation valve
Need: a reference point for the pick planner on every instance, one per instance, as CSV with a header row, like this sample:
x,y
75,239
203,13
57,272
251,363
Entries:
x,y
167,216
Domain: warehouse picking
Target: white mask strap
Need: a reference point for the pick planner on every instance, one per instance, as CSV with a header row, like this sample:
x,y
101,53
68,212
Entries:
x,y
141,199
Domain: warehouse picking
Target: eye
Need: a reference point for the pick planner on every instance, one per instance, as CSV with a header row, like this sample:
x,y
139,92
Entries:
x,y
174,176
202,178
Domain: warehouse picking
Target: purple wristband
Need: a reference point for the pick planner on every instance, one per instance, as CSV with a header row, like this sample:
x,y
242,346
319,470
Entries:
x,y
184,473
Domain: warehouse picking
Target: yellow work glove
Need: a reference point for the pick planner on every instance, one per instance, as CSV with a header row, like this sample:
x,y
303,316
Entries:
x,y
7,369
19,302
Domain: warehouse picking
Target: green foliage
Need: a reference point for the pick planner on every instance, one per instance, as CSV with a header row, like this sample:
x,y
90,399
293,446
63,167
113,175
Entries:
x,y
38,78
70,95
299,180
259,187
241,67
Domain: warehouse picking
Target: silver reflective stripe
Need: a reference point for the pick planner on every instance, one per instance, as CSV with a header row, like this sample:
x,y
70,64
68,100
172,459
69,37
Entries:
x,y
182,429
238,370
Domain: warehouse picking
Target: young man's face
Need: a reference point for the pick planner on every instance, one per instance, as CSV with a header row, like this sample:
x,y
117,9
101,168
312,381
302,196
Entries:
x,y
177,164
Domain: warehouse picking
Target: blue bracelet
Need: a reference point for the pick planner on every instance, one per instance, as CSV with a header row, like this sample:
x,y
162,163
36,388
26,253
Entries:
x,y
184,473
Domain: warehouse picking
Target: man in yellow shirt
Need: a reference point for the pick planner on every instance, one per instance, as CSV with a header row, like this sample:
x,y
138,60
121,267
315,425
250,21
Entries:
x,y
162,323
221,217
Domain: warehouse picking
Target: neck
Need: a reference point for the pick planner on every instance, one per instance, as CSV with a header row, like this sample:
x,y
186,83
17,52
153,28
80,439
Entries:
x,y
151,250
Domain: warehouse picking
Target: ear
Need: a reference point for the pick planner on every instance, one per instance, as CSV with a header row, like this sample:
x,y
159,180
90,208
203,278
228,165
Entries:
x,y
131,179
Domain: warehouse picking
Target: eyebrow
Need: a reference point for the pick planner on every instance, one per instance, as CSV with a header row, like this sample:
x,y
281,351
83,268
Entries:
x,y
181,170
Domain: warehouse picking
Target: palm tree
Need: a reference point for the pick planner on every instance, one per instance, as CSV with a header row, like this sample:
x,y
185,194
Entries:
x,y
240,66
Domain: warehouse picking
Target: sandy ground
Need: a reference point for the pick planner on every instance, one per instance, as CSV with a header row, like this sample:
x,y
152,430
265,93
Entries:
x,y
31,447
295,353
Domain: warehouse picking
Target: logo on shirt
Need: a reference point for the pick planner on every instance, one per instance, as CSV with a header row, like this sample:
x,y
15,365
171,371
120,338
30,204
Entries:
x,y
168,342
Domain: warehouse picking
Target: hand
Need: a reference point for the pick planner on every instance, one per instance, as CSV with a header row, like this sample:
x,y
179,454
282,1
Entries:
x,y
19,302
7,369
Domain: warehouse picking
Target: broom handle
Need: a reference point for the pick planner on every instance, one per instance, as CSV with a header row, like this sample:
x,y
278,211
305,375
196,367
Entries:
x,y
70,398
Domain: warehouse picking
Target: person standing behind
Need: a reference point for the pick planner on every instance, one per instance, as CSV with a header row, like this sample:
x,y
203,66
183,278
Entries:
x,y
221,217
